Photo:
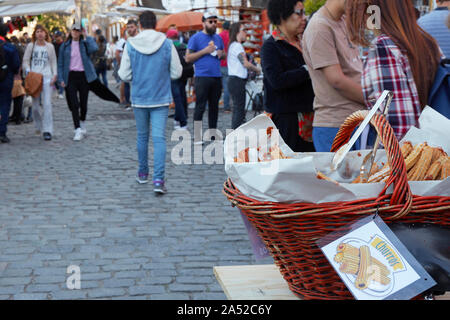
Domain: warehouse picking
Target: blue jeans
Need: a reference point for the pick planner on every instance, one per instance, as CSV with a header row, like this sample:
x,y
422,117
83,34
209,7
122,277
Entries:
x,y
157,117
102,72
180,114
323,139
226,93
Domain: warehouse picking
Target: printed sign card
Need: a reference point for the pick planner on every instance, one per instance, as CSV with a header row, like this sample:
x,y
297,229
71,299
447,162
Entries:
x,y
374,264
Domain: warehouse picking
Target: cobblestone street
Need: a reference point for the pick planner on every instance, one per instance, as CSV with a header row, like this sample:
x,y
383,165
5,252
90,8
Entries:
x,y
77,203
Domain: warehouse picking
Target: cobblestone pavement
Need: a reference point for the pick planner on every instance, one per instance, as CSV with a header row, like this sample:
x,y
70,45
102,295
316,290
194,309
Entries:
x,y
69,203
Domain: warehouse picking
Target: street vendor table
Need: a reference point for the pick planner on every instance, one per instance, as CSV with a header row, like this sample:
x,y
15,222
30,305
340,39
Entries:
x,y
259,282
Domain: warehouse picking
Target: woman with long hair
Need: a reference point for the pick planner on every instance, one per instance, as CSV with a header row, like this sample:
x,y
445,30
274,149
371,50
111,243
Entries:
x,y
75,72
238,66
40,57
403,58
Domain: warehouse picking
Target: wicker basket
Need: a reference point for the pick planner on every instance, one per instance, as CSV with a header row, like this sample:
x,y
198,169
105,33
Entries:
x,y
290,231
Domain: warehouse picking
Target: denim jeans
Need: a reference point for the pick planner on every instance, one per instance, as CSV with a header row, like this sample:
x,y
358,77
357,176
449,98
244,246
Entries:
x,y
157,117
226,93
102,73
180,114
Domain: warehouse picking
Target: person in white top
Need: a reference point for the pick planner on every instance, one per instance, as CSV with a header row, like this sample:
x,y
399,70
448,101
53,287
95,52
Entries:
x,y
40,57
238,66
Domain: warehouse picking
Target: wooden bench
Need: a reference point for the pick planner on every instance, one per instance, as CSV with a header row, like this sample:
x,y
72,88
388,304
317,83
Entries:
x,y
259,282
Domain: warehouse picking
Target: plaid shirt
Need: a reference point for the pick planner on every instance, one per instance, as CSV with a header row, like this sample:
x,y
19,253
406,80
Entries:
x,y
387,68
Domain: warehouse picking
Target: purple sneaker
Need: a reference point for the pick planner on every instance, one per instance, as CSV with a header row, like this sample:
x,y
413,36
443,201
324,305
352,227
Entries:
x,y
142,178
158,187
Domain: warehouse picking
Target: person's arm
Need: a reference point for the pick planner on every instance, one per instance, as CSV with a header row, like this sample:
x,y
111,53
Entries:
x,y
244,61
118,57
125,71
61,64
53,63
176,69
191,57
272,69
344,85
26,59
91,45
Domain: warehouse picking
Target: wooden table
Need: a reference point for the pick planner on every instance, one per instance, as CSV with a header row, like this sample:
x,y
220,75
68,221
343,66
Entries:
x,y
259,282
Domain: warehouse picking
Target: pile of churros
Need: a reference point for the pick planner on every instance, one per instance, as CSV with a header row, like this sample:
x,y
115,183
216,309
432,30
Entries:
x,y
423,162
258,155
361,264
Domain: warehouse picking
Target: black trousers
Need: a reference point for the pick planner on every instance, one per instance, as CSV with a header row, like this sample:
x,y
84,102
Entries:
x,y
184,95
207,90
287,125
17,114
236,87
77,92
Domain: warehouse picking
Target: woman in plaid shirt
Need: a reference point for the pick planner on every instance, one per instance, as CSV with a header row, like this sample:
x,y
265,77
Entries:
x,y
402,58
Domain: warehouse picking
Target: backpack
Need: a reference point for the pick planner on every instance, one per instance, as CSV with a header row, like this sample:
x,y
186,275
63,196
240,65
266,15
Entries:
x,y
439,98
188,68
3,65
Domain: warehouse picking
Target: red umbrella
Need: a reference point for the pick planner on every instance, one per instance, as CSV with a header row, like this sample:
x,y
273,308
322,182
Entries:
x,y
184,21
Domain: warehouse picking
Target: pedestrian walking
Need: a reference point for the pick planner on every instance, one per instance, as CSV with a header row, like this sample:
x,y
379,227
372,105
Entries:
x,y
335,68
99,58
178,85
434,23
238,66
131,31
287,84
18,91
205,49
75,72
225,35
9,66
58,40
40,57
402,58
149,62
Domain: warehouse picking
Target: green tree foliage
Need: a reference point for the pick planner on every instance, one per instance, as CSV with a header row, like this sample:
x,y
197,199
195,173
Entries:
x,y
53,22
312,6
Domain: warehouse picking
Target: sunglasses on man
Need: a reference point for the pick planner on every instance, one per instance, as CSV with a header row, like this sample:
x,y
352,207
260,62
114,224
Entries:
x,y
212,21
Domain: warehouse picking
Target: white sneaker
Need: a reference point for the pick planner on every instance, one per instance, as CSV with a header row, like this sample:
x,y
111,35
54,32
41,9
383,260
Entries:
x,y
78,135
60,96
183,128
176,124
83,127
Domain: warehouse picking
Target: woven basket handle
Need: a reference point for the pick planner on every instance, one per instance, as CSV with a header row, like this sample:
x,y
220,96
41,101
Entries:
x,y
398,177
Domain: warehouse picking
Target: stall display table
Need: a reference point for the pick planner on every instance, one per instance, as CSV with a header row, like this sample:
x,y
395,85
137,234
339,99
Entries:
x,y
259,282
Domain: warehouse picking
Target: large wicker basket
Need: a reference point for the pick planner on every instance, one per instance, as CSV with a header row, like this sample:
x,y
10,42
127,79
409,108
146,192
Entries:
x,y
290,231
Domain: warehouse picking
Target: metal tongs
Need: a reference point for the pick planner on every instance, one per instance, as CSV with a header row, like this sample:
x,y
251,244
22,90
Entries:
x,y
367,164
338,159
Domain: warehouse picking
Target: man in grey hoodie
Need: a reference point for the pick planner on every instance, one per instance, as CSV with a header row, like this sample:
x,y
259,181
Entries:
x,y
149,62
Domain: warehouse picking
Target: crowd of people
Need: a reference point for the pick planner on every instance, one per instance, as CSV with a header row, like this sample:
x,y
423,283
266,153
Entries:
x,y
314,75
